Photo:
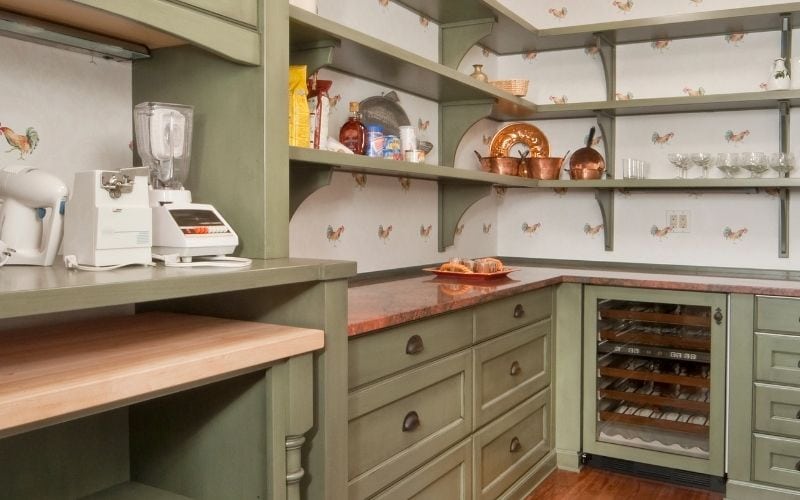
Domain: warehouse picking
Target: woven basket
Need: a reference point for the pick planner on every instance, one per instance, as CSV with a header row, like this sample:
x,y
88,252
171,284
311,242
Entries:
x,y
517,87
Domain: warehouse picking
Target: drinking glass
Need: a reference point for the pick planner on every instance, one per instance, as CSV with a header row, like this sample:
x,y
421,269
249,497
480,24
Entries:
x,y
755,163
704,161
783,163
681,161
728,163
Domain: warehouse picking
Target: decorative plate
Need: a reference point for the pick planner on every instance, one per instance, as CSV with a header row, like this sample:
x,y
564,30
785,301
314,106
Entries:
x,y
384,110
471,276
519,133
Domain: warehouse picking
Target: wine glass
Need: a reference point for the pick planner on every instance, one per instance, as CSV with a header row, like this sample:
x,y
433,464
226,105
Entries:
x,y
682,161
755,163
728,163
704,161
783,163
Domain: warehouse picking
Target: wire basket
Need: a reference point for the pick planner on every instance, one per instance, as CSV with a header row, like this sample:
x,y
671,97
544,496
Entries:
x,y
517,87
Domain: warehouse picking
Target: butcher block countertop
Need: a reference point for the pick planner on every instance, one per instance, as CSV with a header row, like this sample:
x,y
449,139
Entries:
x,y
53,374
376,305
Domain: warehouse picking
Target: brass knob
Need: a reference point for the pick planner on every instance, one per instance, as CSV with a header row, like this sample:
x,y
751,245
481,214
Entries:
x,y
515,369
411,422
515,445
414,345
718,316
797,466
519,311
798,415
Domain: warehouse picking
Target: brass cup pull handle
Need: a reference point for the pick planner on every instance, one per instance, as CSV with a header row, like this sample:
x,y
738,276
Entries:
x,y
519,311
515,445
411,422
515,369
414,345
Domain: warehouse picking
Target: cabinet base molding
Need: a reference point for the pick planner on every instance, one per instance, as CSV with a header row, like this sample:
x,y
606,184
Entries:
x,y
527,483
740,490
568,460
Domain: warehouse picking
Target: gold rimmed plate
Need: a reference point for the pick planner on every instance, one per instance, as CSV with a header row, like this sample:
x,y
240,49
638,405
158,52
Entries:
x,y
519,133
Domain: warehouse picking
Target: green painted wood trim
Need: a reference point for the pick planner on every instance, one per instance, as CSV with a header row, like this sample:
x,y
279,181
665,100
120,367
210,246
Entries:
x,y
229,40
242,11
305,181
132,490
313,57
568,311
300,380
784,196
740,490
608,56
455,39
605,199
276,396
454,200
740,390
608,129
714,465
454,121
533,478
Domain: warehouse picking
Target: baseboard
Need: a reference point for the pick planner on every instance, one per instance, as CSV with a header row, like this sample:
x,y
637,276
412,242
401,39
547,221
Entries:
x,y
740,490
568,460
527,483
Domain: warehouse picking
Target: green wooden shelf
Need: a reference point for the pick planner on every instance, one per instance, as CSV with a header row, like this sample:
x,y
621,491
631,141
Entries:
x,y
29,290
134,491
318,42
673,184
512,34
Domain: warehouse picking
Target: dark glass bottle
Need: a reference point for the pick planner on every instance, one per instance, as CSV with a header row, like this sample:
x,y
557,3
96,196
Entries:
x,y
353,133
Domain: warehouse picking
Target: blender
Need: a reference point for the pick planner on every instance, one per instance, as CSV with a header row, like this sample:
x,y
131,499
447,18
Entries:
x,y
182,229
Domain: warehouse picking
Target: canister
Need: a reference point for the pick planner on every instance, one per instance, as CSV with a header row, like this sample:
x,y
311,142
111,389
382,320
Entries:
x,y
391,147
408,138
375,141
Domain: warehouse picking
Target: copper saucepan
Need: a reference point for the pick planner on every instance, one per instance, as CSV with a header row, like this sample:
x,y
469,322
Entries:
x,y
504,165
586,162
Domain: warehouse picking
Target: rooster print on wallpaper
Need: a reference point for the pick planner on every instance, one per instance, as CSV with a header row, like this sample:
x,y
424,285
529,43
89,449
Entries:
x,y
624,6
529,229
23,144
558,13
591,230
731,235
662,139
334,234
730,136
425,231
383,234
660,233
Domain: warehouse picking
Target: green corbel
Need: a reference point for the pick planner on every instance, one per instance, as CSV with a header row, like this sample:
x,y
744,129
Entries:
x,y
314,55
454,200
608,56
605,198
608,128
304,180
783,228
455,118
455,39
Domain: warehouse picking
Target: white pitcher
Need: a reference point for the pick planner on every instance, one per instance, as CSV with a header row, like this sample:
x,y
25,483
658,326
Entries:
x,y
779,76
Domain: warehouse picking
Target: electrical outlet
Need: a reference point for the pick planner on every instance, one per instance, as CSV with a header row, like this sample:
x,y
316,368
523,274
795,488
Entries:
x,y
679,220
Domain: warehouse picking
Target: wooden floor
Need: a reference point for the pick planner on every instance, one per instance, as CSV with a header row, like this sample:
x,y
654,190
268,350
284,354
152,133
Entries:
x,y
595,484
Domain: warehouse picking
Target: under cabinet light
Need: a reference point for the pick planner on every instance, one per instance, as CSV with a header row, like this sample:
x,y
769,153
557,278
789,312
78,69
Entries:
x,y
52,34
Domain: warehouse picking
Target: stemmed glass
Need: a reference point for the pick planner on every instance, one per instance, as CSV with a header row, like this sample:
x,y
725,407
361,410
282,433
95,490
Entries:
x,y
728,163
755,163
783,163
704,161
682,161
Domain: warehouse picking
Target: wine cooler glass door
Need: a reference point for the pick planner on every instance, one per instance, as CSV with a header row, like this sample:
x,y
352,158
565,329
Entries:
x,y
655,377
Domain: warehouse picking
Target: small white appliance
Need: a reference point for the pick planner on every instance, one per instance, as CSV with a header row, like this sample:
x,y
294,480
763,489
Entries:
x,y
32,214
108,218
181,229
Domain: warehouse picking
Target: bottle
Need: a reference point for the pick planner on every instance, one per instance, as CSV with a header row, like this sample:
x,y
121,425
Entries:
x,y
353,133
478,74
779,76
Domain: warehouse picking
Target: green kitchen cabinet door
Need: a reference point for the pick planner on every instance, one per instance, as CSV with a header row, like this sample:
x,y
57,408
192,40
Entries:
x,y
241,11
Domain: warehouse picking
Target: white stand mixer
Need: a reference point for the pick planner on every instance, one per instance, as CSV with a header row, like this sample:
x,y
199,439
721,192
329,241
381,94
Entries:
x,y
31,216
182,230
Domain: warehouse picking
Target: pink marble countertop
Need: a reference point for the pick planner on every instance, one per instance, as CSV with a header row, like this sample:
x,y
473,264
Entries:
x,y
392,302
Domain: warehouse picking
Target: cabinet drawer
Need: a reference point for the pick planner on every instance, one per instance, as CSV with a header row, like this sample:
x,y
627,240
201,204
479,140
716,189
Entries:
x,y
508,447
510,369
777,358
243,11
376,355
400,423
778,313
507,314
777,409
448,476
776,460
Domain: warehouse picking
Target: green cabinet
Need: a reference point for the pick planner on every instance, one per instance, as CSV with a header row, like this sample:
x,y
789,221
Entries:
x,y
419,388
242,11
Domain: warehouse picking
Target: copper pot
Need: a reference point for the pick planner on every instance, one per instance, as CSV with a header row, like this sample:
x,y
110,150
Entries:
x,y
504,165
586,159
542,168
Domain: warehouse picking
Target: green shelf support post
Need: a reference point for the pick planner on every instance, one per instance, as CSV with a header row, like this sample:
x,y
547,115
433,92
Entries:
x,y
783,127
786,40
314,55
304,181
454,200
605,198
783,228
455,39
608,56
455,118
608,128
